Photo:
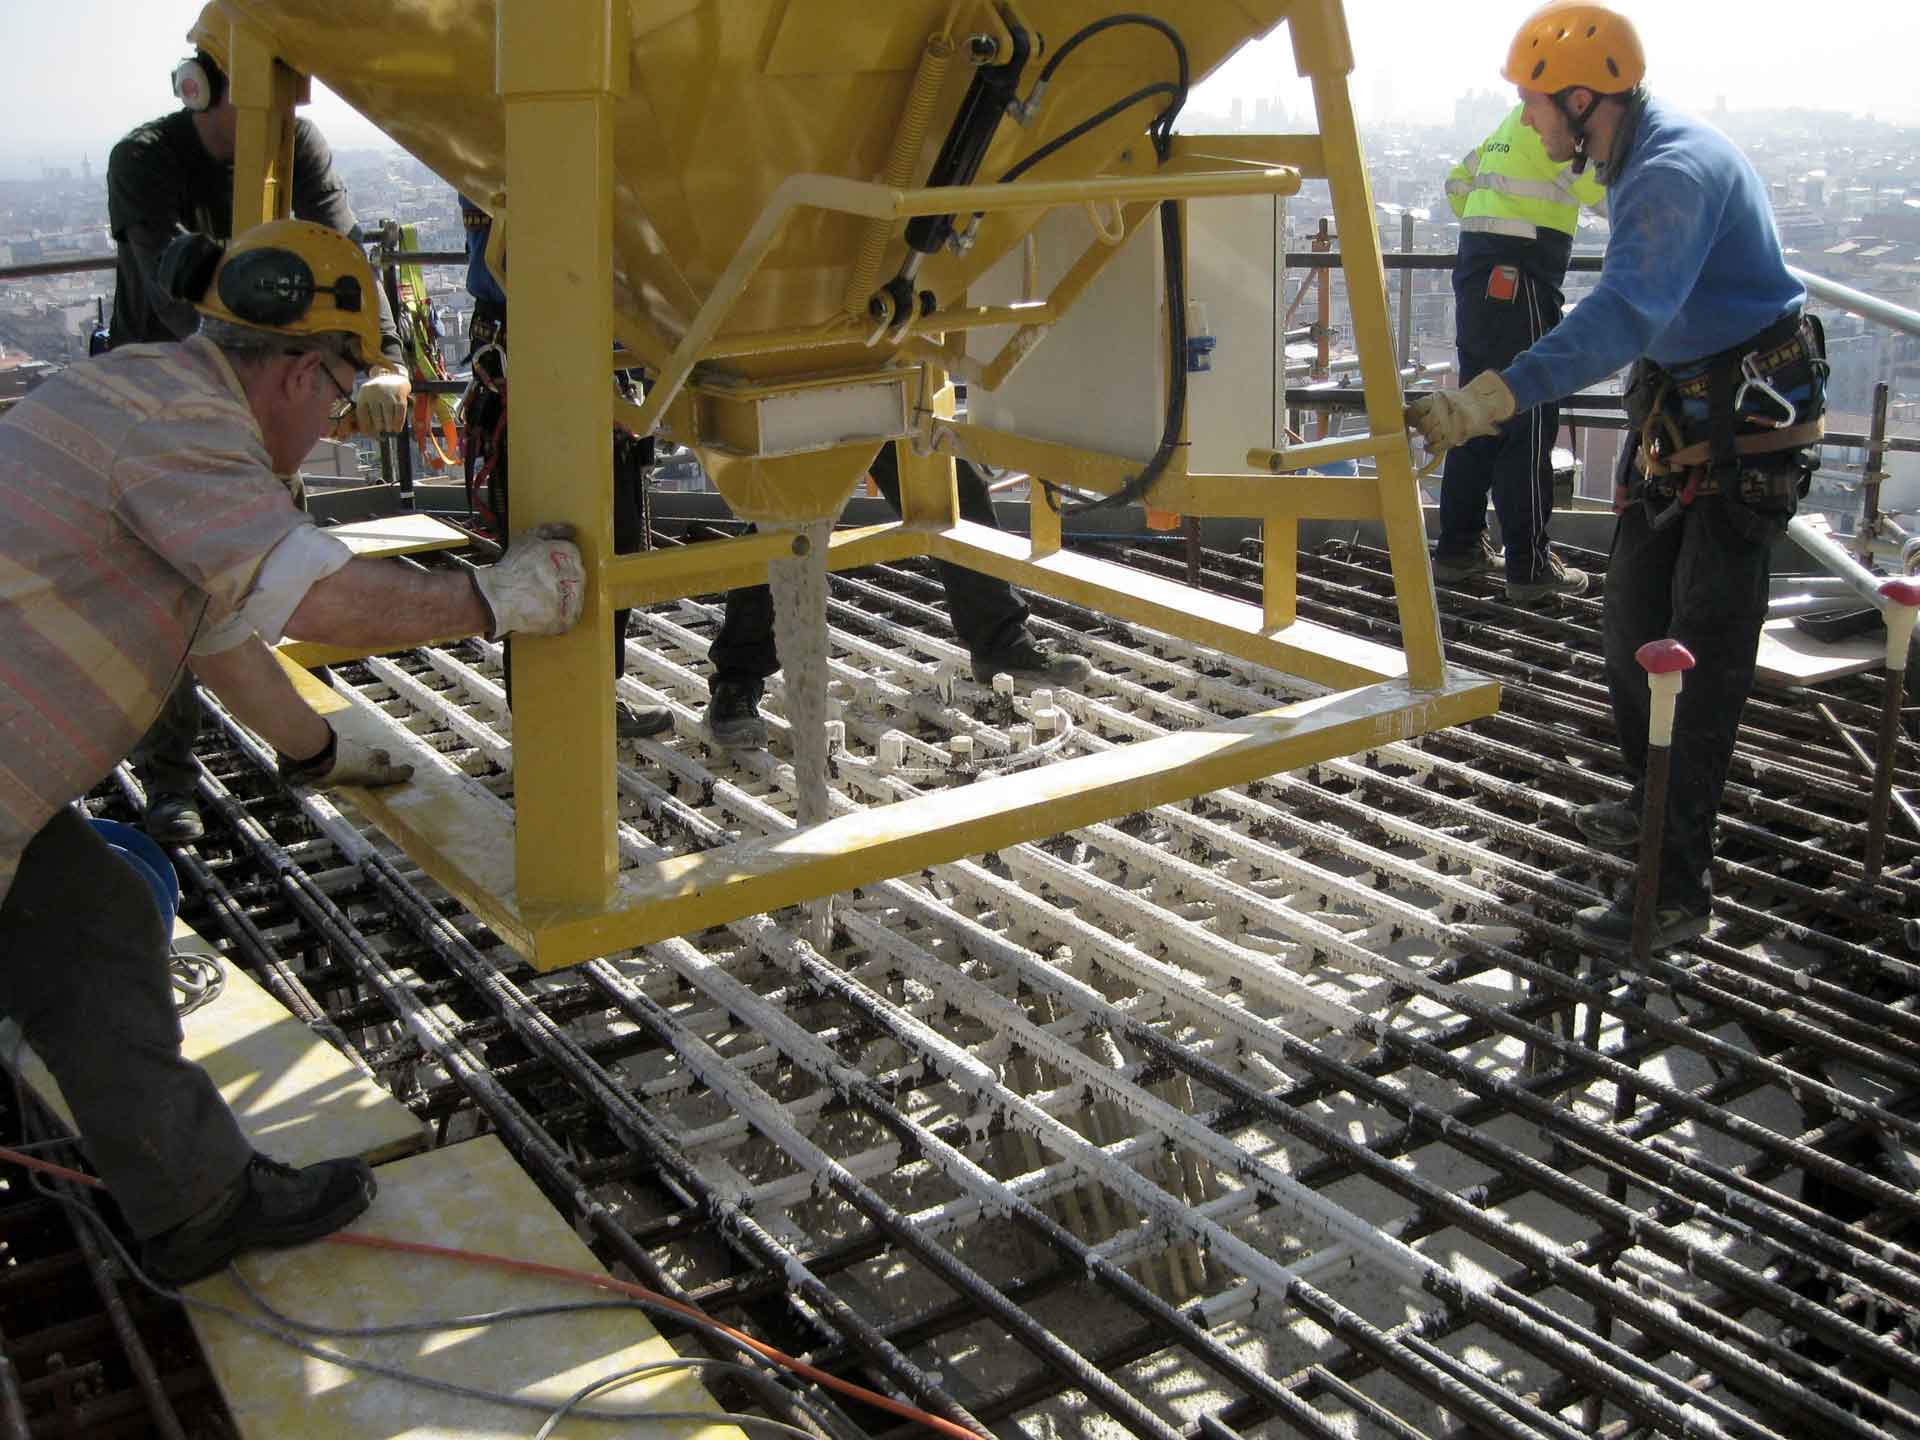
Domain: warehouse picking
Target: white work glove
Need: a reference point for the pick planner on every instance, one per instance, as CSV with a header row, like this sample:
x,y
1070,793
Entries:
x,y
1448,418
345,761
537,587
380,402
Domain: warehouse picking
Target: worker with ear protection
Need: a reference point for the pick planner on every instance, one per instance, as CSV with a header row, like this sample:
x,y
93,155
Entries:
x,y
1724,406
144,529
165,178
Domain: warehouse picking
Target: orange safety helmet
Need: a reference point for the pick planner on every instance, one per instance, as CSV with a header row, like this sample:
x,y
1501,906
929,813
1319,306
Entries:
x,y
1569,43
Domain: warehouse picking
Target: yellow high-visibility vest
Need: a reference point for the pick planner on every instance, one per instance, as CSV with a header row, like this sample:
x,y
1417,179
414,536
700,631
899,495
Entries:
x,y
1508,186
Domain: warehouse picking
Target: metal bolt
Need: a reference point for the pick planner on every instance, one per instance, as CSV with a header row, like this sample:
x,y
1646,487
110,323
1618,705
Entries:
x,y
982,49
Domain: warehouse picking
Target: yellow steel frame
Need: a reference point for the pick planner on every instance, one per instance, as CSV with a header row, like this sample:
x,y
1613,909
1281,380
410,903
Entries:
x,y
546,877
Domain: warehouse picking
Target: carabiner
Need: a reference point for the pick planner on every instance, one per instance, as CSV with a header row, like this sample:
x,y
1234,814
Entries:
x,y
1756,381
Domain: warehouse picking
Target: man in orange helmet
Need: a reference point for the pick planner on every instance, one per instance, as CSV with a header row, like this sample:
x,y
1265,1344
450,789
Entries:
x,y
143,529
1726,397
175,175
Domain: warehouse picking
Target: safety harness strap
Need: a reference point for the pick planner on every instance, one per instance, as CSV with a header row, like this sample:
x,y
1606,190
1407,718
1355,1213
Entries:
x,y
1764,442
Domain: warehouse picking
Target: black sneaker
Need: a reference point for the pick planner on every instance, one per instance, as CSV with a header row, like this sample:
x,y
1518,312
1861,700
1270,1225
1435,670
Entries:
x,y
269,1205
1483,559
1032,662
1560,579
636,722
173,818
1610,824
733,716
1609,928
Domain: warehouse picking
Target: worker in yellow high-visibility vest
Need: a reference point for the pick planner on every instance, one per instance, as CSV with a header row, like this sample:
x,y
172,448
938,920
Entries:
x,y
1518,213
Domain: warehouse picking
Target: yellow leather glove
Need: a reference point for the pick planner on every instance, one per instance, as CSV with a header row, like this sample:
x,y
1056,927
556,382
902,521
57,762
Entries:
x,y
380,403
1448,418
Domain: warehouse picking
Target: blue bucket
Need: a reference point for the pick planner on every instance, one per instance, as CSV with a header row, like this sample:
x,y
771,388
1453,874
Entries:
x,y
149,862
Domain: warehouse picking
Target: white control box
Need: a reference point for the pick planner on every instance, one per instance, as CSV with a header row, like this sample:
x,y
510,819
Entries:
x,y
1098,379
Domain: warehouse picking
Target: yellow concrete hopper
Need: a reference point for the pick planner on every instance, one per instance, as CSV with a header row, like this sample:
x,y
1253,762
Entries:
x,y
799,216
711,109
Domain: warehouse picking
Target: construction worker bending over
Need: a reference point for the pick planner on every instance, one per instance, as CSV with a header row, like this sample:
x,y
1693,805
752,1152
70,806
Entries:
x,y
987,613
144,527
175,175
1518,213
1727,393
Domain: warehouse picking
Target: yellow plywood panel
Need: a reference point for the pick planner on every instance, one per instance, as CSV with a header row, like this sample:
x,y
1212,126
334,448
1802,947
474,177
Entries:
x,y
296,1097
398,535
470,1196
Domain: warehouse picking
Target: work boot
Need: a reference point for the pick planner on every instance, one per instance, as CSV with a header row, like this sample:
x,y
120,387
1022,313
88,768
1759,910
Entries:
x,y
1483,559
1610,824
636,722
173,818
733,716
270,1204
1609,928
1560,579
1031,662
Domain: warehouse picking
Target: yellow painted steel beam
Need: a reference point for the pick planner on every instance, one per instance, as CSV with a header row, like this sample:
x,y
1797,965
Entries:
x,y
1315,652
1323,54
264,93
459,834
715,565
703,568
561,65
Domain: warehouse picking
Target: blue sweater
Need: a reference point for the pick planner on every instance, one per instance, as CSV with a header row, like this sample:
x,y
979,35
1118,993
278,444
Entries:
x,y
1693,265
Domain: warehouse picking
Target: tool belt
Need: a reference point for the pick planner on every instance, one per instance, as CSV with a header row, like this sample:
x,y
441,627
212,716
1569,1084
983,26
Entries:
x,y
1753,442
488,326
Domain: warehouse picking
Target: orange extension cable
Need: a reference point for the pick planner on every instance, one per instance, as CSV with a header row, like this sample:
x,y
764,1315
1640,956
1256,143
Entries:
x,y
587,1278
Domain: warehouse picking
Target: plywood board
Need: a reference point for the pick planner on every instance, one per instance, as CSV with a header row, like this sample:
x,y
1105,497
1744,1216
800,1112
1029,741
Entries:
x,y
297,1098
398,535
1789,656
470,1196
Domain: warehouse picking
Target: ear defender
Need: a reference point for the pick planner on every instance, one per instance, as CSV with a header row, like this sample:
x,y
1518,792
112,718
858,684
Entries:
x,y
198,83
187,264
275,287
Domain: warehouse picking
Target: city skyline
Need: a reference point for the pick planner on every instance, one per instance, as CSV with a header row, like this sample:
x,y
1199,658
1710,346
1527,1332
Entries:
x,y
1409,68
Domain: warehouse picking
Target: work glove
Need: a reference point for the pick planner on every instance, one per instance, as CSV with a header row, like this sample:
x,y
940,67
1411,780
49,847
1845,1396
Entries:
x,y
1448,418
344,761
380,402
537,586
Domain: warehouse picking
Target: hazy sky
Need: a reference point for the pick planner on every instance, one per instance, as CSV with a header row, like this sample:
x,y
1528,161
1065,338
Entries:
x,y
78,73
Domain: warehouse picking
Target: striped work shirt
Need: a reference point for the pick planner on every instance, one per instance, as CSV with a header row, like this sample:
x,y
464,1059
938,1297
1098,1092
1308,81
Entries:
x,y
137,508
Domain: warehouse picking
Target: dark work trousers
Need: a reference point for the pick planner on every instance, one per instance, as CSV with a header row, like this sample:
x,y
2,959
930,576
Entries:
x,y
983,609
83,972
631,458
164,755
1703,581
1516,465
